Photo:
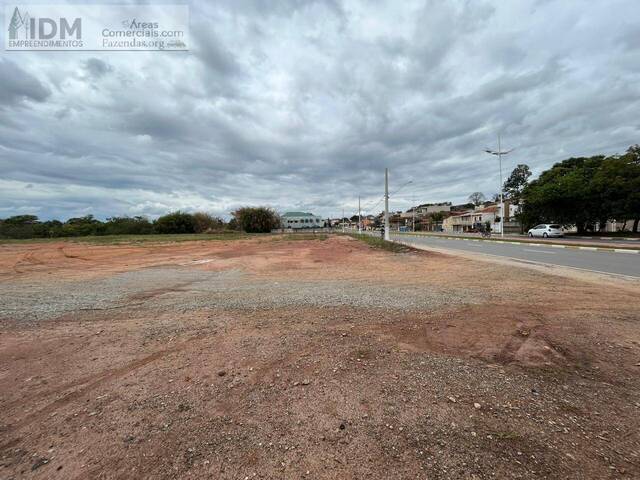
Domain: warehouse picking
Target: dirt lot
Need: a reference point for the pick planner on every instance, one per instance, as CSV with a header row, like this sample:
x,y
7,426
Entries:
x,y
269,358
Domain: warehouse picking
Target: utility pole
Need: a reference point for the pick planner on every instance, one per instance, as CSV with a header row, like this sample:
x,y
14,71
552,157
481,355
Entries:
x,y
499,154
342,220
359,217
501,189
386,204
413,220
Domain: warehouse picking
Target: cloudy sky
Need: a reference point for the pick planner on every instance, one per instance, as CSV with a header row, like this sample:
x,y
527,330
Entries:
x,y
301,104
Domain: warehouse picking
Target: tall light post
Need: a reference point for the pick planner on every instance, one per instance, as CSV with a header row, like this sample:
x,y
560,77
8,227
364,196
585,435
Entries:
x,y
499,154
387,226
359,217
413,216
386,204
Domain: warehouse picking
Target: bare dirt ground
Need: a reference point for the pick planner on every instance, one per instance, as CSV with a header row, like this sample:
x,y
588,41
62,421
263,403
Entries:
x,y
267,358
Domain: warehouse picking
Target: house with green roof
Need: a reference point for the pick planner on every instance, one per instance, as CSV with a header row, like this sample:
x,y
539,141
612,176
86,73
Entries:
x,y
299,220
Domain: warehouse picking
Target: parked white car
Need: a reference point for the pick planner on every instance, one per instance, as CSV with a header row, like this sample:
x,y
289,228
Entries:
x,y
546,230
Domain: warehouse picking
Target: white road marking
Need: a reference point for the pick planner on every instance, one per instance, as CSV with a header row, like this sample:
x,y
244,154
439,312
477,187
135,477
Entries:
x,y
529,244
538,251
521,260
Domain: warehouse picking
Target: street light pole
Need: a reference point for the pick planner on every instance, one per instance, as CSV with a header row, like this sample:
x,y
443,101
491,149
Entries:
x,y
499,154
359,217
501,189
386,204
413,220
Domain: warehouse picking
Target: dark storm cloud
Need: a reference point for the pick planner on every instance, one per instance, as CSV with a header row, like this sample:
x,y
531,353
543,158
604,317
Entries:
x,y
212,52
16,85
301,105
96,68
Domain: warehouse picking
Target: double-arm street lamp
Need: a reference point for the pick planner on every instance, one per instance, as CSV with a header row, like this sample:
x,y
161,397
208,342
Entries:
x,y
499,154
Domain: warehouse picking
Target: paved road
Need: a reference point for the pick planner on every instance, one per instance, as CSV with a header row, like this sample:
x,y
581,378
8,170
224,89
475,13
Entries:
x,y
568,239
628,240
598,261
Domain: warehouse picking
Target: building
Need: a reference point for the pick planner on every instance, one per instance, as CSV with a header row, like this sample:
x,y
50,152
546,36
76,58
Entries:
x,y
299,220
436,208
368,222
429,223
471,219
426,210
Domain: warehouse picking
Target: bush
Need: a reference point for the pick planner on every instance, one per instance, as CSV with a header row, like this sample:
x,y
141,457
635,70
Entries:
x,y
176,222
20,226
128,225
82,226
256,219
206,223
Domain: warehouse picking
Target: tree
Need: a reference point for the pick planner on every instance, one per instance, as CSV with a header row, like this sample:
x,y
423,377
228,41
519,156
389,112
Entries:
x,y
233,224
633,154
256,219
176,222
20,226
476,198
632,157
617,183
586,192
205,222
437,216
128,226
82,227
516,182
21,220
565,194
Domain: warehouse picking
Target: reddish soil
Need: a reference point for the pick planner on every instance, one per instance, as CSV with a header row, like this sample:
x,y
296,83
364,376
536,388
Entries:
x,y
531,376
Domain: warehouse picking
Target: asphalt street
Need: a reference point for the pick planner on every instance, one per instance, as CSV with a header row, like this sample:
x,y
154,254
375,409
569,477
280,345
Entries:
x,y
597,261
567,239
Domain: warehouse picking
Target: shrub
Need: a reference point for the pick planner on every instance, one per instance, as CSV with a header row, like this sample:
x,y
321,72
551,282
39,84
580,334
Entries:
x,y
256,219
176,222
128,225
20,226
205,222
82,226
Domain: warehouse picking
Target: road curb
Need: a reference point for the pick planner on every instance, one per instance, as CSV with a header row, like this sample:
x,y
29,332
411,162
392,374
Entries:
x,y
630,239
531,244
514,260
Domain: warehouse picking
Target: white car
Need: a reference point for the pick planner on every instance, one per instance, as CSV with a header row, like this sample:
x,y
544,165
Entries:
x,y
546,230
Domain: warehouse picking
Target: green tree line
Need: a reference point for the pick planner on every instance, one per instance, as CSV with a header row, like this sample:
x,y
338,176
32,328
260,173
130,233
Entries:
x,y
248,219
586,192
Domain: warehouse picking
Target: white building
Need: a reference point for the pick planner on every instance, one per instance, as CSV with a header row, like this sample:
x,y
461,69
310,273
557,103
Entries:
x,y
471,219
481,215
298,220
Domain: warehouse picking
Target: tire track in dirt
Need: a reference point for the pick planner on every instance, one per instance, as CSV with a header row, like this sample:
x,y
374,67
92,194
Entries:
x,y
149,294
27,259
98,381
68,255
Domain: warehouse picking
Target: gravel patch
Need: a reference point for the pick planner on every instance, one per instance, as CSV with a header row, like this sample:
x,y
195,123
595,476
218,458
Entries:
x,y
190,289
